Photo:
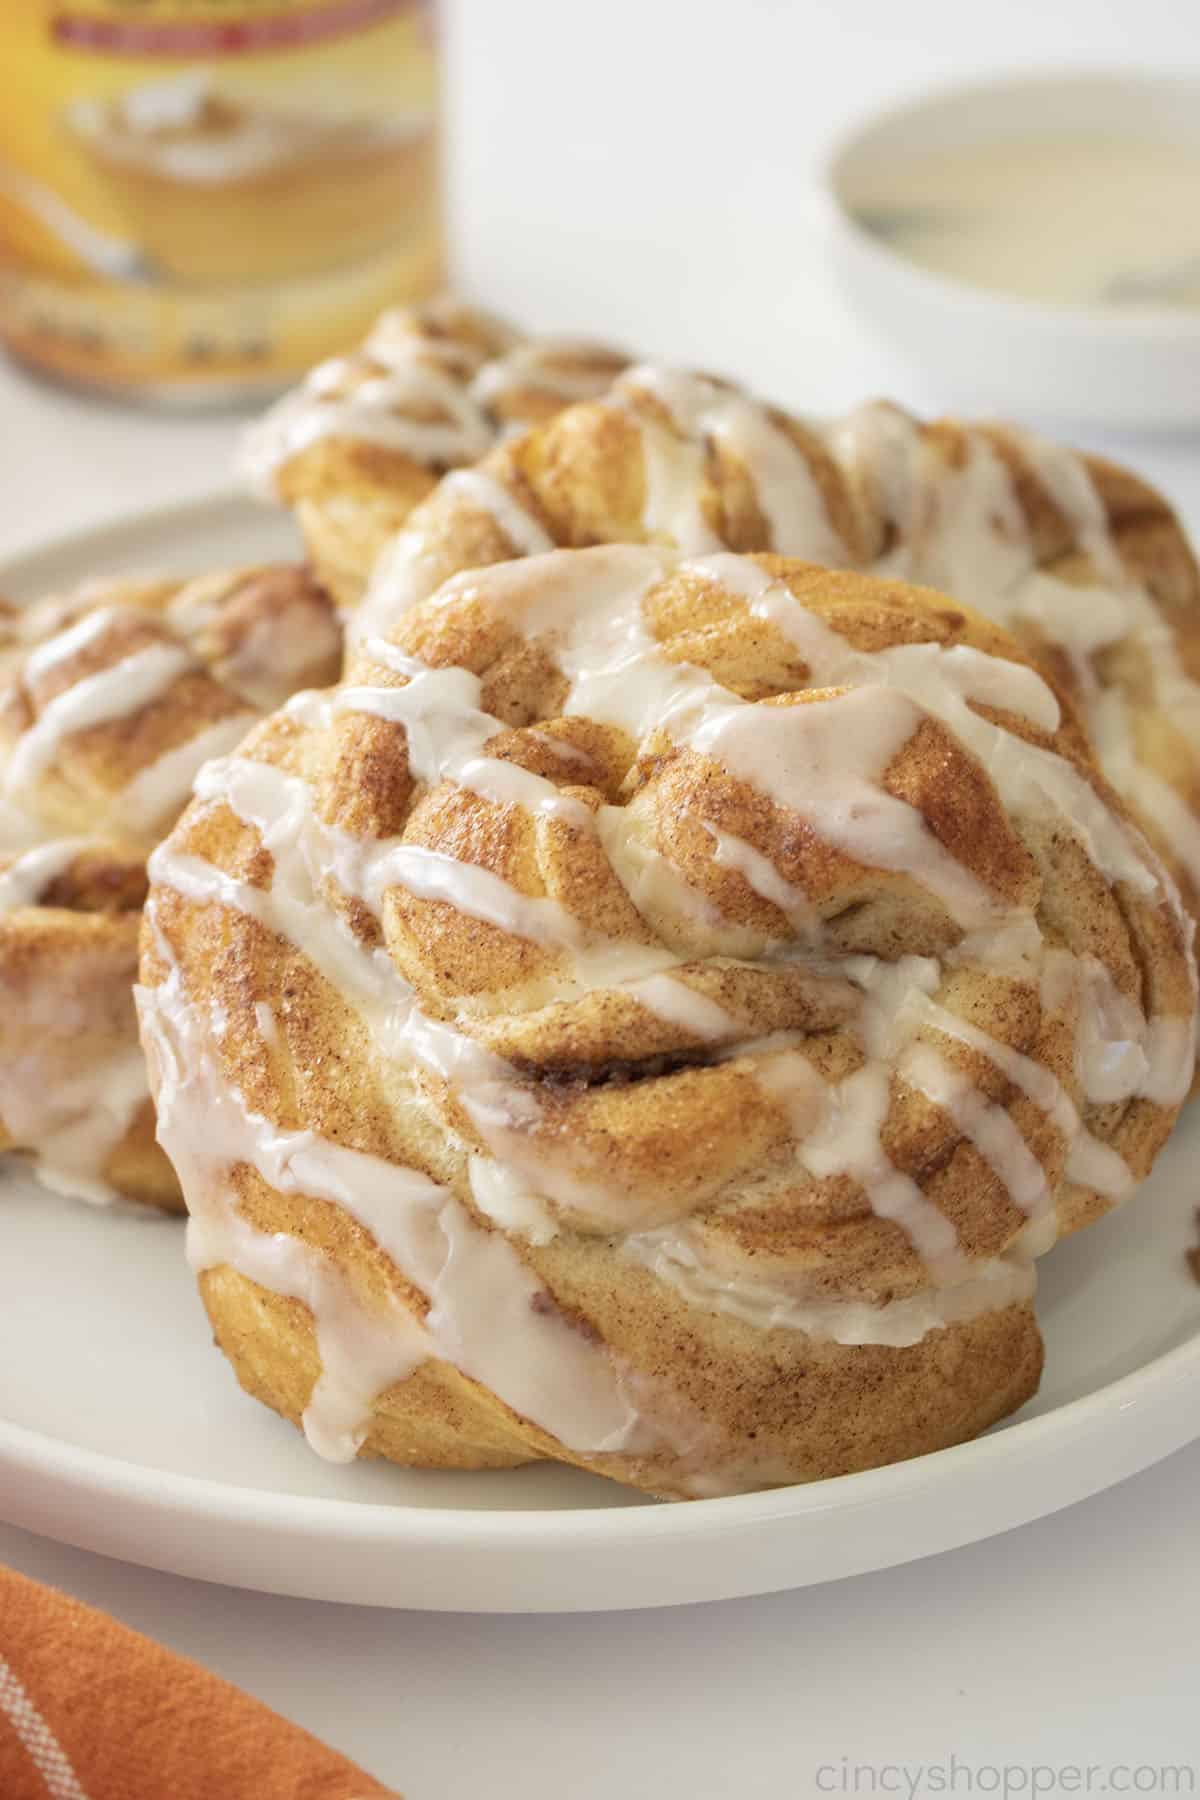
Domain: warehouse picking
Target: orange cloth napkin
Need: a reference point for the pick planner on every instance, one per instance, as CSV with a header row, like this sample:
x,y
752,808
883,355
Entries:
x,y
90,1710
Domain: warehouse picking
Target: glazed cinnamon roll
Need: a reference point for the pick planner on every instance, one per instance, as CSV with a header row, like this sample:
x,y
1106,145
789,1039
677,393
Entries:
x,y
651,1015
366,436
1083,562
110,700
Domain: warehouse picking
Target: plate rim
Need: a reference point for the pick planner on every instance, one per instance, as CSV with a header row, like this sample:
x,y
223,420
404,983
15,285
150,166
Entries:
x,y
36,1452
20,565
1138,1413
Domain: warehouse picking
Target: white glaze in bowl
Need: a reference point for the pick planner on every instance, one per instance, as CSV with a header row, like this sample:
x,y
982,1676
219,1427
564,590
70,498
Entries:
x,y
990,351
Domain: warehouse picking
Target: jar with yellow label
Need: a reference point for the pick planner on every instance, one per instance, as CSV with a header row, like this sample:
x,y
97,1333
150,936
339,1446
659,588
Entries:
x,y
200,198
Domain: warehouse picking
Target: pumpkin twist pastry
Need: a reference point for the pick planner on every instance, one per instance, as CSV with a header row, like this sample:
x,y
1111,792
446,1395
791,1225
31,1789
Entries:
x,y
650,1015
366,436
1083,562
110,700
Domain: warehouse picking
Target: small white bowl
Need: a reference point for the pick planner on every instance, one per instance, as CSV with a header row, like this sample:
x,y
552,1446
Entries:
x,y
989,350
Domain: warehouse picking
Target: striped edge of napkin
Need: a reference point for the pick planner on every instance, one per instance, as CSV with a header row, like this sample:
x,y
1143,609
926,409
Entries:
x,y
90,1710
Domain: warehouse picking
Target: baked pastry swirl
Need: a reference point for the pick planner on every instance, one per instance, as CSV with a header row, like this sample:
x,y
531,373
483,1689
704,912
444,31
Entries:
x,y
1083,562
110,700
651,1015
366,436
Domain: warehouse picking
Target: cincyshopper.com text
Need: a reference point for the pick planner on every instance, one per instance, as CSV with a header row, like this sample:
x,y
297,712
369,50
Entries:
x,y
914,1781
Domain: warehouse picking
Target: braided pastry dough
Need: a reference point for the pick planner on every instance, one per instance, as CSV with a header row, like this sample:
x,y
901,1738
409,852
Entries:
x,y
110,700
1079,559
366,436
651,1015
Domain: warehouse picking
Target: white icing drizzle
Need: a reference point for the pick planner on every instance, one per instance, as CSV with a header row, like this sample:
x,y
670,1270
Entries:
x,y
987,1126
539,367
963,530
156,794
502,1196
1120,1053
846,1141
307,852
392,341
618,677
826,760
479,893
786,490
355,398
760,873
845,1138
677,1257
674,466
446,734
959,528
1090,1162
562,750
383,394
673,473
656,886
24,881
260,665
489,1316
72,1122
484,494
43,657
673,1000
113,693
1028,778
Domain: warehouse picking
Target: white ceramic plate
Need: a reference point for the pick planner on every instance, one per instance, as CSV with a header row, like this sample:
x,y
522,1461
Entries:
x,y
123,1431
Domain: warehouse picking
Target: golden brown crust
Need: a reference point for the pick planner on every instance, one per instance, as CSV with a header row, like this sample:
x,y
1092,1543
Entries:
x,y
641,1116
370,435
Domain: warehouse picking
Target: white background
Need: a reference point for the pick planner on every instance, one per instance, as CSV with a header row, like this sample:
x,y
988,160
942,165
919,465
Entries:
x,y
647,171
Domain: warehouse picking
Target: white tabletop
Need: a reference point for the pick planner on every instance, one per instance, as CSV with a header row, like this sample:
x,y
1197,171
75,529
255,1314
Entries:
x,y
645,170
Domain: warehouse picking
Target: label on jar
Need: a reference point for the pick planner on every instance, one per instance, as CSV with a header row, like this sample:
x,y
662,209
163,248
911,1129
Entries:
x,y
200,194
